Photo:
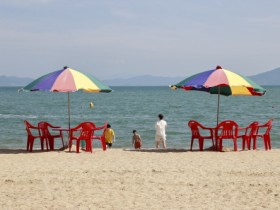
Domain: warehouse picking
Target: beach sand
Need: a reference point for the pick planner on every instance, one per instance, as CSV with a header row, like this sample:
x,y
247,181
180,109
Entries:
x,y
119,179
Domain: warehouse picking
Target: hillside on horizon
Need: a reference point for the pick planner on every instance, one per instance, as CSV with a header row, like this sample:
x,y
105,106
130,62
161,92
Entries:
x,y
145,80
271,77
9,81
267,78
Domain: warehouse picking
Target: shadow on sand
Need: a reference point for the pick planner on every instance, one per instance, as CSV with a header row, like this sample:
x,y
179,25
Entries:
x,y
23,151
173,150
152,150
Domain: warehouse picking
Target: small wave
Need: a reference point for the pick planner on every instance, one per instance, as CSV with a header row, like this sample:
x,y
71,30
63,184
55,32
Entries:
x,y
15,116
54,116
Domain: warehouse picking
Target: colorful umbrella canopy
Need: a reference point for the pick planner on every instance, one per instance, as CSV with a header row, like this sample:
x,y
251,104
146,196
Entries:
x,y
67,80
225,81
222,82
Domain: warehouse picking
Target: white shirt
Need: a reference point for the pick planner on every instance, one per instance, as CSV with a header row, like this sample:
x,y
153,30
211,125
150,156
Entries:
x,y
160,128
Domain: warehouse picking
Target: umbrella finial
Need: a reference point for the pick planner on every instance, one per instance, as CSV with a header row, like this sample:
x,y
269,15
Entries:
x,y
218,67
65,67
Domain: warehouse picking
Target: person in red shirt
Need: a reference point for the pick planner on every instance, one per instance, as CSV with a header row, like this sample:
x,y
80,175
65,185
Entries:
x,y
136,140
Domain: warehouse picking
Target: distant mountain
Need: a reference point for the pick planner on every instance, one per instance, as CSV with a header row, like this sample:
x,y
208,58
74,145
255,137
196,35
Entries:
x,y
267,78
14,81
145,80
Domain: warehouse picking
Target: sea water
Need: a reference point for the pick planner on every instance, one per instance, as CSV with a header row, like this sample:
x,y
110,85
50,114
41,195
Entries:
x,y
129,108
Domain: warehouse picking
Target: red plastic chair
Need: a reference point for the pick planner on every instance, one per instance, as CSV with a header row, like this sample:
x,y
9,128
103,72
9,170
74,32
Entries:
x,y
264,135
248,135
102,137
195,129
30,136
227,129
85,130
47,136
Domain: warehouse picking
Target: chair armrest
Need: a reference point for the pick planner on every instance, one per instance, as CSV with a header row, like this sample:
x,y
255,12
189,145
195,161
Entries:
x,y
98,128
101,127
72,130
262,126
210,129
96,137
242,129
207,128
52,126
34,127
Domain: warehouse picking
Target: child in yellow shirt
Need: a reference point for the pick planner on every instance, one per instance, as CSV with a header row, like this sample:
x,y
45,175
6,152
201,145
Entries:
x,y
109,136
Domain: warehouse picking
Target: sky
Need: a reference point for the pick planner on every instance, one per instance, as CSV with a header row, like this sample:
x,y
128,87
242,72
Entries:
x,y
125,38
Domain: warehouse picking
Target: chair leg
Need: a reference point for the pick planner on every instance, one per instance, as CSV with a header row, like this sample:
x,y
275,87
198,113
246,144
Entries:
x,y
201,144
48,144
31,145
217,144
42,143
235,144
191,144
265,142
90,145
244,140
51,143
77,146
87,145
103,143
268,142
249,143
28,143
255,143
221,145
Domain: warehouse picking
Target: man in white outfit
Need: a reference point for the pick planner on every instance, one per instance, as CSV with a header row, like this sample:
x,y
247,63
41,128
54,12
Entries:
x,y
160,131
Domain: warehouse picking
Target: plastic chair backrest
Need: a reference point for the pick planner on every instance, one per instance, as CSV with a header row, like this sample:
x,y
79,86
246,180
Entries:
x,y
43,129
252,128
227,129
28,126
267,125
194,126
87,129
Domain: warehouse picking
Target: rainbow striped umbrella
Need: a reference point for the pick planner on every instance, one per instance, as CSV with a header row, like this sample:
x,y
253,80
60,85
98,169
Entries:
x,y
67,80
222,82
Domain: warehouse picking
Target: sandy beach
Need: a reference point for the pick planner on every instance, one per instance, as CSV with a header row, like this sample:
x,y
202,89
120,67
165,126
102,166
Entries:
x,y
119,179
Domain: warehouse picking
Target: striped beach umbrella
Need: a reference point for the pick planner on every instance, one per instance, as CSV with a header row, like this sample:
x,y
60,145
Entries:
x,y
222,82
67,80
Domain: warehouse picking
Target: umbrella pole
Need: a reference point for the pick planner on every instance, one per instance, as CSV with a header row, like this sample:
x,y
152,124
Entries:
x,y
69,111
218,107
